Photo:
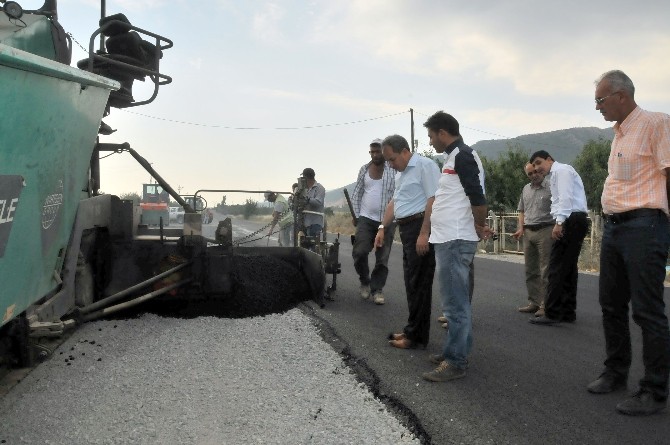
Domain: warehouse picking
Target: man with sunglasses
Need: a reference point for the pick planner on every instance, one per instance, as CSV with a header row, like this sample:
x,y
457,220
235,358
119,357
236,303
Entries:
x,y
535,225
635,245
372,193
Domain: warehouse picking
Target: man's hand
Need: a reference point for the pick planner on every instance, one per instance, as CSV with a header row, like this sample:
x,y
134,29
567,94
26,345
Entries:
x,y
518,234
557,232
379,239
484,232
422,246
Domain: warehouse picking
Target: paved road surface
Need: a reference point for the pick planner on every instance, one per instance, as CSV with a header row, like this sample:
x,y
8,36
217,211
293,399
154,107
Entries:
x,y
526,383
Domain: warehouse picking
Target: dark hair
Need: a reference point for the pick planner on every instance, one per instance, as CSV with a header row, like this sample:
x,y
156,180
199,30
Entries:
x,y
443,121
396,142
308,173
619,81
540,154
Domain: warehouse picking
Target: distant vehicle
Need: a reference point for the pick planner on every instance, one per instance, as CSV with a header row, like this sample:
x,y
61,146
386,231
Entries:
x,y
176,215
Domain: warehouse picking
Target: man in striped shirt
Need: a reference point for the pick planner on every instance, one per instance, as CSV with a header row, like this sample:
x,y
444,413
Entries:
x,y
635,244
372,193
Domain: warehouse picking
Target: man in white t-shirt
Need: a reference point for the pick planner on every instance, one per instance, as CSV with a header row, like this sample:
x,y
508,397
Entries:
x,y
457,223
373,191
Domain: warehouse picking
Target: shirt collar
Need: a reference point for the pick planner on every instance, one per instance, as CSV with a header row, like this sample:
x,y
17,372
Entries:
x,y
628,122
453,145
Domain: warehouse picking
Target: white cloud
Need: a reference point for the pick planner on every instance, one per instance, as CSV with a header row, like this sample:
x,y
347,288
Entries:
x,y
267,24
540,49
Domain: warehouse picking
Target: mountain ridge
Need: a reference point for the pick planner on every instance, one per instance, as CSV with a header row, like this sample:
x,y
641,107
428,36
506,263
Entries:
x,y
563,145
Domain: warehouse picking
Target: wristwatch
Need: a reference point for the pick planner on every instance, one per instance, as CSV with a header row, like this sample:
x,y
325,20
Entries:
x,y
381,226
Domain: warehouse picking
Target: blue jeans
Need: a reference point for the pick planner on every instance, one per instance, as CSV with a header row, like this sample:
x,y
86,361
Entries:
x,y
366,230
454,259
632,270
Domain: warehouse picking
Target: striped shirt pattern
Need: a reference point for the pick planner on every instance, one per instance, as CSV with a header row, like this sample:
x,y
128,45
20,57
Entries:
x,y
636,167
388,186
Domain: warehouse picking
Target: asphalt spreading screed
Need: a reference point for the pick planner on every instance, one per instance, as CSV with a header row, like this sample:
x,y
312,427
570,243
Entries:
x,y
261,285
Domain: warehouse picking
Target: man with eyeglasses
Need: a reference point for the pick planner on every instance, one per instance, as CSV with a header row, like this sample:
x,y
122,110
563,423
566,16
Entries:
x,y
373,191
415,186
635,245
535,225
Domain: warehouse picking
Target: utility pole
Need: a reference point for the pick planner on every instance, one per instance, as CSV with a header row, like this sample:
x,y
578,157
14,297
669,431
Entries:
x,y
411,116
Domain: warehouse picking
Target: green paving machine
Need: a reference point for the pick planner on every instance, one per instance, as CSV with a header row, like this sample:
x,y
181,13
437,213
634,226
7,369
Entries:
x,y
68,253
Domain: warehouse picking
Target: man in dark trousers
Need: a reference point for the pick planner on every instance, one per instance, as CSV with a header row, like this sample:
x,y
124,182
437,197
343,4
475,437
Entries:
x,y
372,193
415,186
568,208
635,244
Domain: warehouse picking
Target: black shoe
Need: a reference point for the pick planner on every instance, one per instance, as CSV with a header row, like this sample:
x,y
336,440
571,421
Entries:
x,y
643,403
544,321
607,382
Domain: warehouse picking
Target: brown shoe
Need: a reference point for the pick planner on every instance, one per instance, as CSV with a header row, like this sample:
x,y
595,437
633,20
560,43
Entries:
x,y
398,336
405,343
540,312
530,308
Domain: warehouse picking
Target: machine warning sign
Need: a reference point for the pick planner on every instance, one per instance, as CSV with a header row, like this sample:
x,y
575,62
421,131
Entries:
x,y
10,191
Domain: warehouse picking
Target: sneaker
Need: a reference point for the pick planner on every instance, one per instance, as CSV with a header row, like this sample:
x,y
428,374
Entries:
x,y
445,325
442,319
378,298
643,403
540,312
365,291
443,373
436,359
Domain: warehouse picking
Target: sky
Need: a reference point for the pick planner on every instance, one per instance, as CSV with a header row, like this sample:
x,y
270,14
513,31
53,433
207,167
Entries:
x,y
262,89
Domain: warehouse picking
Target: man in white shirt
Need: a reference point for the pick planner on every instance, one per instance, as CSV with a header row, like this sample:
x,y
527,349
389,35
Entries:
x,y
568,208
457,223
373,191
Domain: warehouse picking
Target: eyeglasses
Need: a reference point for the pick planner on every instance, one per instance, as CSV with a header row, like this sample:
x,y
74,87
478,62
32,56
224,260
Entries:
x,y
600,100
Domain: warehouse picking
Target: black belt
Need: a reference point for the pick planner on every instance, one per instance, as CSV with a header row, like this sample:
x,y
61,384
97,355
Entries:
x,y
537,226
618,218
407,219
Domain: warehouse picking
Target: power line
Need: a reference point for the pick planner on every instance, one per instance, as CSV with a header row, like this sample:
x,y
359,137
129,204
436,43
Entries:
x,y
307,127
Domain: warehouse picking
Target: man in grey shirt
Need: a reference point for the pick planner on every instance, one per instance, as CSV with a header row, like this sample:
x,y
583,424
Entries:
x,y
535,225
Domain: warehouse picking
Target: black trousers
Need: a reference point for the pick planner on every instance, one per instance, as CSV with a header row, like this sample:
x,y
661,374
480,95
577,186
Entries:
x,y
419,272
561,300
632,270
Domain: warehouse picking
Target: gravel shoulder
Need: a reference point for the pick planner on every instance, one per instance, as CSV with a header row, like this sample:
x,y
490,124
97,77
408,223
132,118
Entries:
x,y
204,380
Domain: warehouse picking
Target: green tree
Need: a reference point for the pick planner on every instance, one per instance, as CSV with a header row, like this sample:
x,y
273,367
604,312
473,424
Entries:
x,y
430,154
505,178
250,208
131,196
591,164
328,211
